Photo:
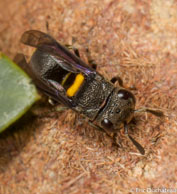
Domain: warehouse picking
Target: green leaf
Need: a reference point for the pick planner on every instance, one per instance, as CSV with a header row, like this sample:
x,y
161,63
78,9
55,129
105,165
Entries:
x,y
17,94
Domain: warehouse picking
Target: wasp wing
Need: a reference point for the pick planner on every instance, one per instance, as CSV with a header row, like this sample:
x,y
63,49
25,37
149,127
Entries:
x,y
56,92
36,38
62,57
61,54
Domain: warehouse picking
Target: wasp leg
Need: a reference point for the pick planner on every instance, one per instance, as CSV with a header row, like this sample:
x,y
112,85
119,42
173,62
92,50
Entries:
x,y
117,79
96,127
113,139
76,51
47,26
90,60
120,81
61,108
92,64
52,102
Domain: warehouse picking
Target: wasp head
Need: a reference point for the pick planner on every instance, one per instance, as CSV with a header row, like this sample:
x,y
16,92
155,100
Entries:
x,y
117,110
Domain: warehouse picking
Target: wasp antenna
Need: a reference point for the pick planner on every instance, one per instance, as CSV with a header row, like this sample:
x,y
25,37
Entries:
x,y
157,113
136,144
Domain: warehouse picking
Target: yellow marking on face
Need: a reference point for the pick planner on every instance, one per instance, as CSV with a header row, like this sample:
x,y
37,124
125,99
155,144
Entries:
x,y
76,85
66,77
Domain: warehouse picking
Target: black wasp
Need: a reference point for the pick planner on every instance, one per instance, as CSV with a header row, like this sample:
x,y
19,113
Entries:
x,y
65,78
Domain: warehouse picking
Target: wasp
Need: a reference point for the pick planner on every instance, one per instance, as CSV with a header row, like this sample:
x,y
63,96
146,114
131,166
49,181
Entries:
x,y
65,78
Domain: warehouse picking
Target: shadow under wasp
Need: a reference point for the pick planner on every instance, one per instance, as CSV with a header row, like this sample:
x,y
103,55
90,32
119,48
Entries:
x,y
65,78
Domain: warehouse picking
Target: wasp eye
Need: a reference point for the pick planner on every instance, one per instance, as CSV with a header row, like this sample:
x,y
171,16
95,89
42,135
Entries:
x,y
107,124
124,94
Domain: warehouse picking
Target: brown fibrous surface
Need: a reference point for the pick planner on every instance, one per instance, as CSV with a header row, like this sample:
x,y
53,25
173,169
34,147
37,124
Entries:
x,y
50,152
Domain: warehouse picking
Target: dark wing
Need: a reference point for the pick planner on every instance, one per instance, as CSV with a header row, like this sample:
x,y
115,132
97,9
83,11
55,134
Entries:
x,y
36,38
50,88
46,43
63,58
